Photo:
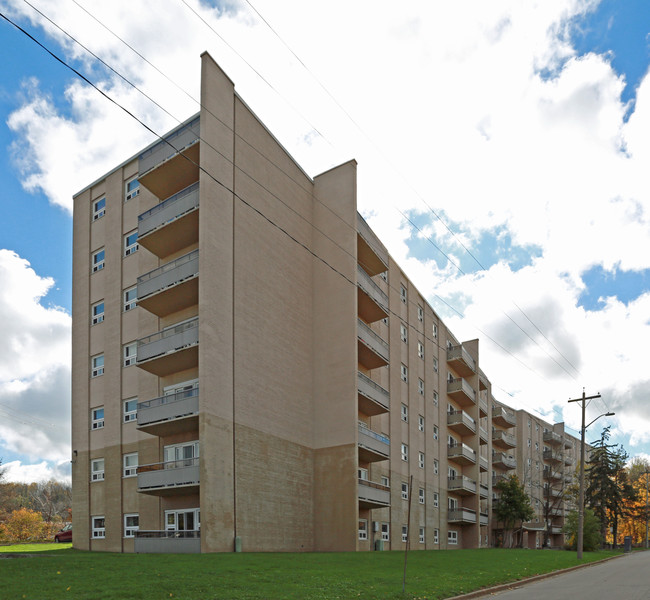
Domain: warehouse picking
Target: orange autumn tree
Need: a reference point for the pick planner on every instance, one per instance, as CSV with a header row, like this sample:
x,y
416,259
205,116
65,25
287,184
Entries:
x,y
24,525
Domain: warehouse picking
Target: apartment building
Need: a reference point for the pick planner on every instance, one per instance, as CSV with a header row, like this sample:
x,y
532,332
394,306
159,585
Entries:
x,y
251,369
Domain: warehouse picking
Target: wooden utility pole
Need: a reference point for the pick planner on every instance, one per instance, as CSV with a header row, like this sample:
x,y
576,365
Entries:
x,y
408,534
581,496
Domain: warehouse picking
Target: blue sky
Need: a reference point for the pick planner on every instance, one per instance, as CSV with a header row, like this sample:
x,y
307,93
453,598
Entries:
x,y
543,179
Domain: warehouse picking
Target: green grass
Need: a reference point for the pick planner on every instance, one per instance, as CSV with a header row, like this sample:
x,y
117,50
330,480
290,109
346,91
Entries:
x,y
57,571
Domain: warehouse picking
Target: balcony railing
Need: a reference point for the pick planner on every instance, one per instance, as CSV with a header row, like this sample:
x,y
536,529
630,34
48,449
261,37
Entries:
x,y
484,518
171,145
461,391
460,421
171,209
551,474
503,417
461,453
373,446
373,399
168,340
461,515
461,485
508,461
375,306
168,408
552,456
502,438
373,495
371,253
373,351
482,380
160,477
174,542
483,490
461,360
552,438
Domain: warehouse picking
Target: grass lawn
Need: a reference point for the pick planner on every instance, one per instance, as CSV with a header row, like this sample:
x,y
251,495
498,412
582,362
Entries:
x,y
55,571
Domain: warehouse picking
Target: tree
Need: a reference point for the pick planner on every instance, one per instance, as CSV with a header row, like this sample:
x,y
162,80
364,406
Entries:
x,y
23,525
513,505
590,528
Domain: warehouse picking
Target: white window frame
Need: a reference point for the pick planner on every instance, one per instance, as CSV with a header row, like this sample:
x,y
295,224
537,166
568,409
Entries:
x,y
436,536
362,474
421,460
385,481
421,350
420,423
385,532
436,499
98,527
421,496
97,313
97,418
129,470
129,354
421,535
435,398
131,528
97,472
405,452
402,293
183,446
129,415
405,491
97,365
99,211
420,387
405,533
403,333
131,193
434,330
435,364
404,413
435,432
363,529
98,260
452,503
404,373
173,525
420,313
436,466
452,537
130,304
131,247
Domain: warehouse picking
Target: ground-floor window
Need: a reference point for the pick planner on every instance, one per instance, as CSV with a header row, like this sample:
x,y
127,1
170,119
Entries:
x,y
405,533
385,532
436,536
131,525
452,537
98,527
187,519
421,535
363,529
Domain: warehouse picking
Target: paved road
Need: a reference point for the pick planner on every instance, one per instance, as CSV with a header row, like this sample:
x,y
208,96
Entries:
x,y
625,578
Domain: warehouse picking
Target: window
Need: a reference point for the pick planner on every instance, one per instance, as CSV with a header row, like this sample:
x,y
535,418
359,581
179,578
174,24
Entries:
x,y
421,495
405,452
98,528
362,474
420,423
385,481
421,536
404,373
99,208
132,189
436,500
405,533
98,260
405,413
435,432
421,460
452,503
363,529
403,332
130,298
402,293
130,354
97,365
435,398
97,469
435,365
405,491
529,442
130,465
186,519
384,275
420,387
131,525
130,410
452,538
385,532
436,536
183,455
97,418
435,331
420,313
420,350
131,243
97,311
435,466
536,445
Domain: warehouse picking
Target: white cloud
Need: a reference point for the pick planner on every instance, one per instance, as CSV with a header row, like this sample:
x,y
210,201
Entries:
x,y
34,365
16,471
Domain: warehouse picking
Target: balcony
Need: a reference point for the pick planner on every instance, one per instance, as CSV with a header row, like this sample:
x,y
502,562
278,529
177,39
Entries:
x,y
556,530
568,461
556,512
461,485
567,444
504,461
373,495
461,391
482,408
372,350
497,478
552,475
173,163
170,414
167,542
482,435
461,454
171,225
169,478
483,381
373,399
461,361
171,350
503,417
551,456
461,515
484,518
373,446
552,438
483,490
172,287
503,439
460,422
372,302
552,492
371,253
482,464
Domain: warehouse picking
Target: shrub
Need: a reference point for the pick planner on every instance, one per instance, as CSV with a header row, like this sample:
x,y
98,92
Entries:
x,y
591,538
24,525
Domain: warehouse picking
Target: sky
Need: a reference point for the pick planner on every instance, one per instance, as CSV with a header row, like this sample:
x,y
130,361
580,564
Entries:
x,y
502,153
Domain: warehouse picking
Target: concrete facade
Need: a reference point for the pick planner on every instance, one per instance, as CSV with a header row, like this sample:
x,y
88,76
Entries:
x,y
251,369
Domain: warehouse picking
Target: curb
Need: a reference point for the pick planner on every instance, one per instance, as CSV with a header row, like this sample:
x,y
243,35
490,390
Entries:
x,y
521,582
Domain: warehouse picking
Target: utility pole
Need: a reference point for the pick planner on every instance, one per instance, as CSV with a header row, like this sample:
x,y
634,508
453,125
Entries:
x,y
581,496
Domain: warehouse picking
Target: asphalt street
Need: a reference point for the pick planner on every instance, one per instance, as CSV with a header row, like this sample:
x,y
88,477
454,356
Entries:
x,y
625,578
